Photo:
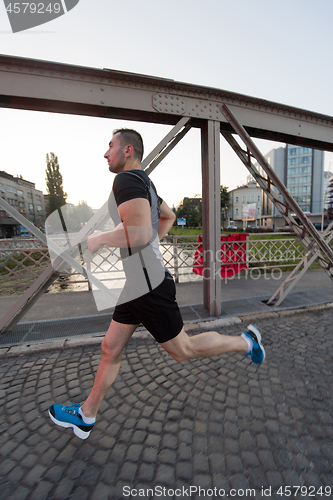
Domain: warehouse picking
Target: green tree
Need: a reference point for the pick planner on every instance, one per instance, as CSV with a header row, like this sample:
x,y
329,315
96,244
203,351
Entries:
x,y
82,212
224,196
54,183
174,209
224,201
77,216
190,211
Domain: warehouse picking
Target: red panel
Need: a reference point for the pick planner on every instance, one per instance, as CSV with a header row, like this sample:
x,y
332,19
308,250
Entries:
x,y
233,257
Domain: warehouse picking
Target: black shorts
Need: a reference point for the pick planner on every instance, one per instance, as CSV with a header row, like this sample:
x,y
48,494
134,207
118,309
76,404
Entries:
x,y
157,310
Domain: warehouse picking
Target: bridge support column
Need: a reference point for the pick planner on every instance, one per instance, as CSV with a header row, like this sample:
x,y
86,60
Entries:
x,y
211,216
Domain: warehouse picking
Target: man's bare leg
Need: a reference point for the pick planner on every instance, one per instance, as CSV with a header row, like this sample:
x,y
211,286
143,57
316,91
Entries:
x,y
113,344
82,418
203,345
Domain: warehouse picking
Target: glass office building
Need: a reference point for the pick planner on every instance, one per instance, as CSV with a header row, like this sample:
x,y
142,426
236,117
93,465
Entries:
x,y
299,175
302,172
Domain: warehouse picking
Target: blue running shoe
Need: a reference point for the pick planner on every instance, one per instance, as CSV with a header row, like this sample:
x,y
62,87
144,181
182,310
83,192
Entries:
x,y
258,352
69,416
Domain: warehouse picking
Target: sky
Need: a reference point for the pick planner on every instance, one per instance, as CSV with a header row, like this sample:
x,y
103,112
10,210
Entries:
x,y
280,51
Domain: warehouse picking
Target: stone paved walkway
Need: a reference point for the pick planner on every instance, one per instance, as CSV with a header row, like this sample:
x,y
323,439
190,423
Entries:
x,y
212,423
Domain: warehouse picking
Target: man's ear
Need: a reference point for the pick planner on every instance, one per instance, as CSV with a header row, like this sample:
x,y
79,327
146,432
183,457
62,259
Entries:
x,y
128,150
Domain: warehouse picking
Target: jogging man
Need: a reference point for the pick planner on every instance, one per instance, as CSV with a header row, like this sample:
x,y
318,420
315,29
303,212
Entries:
x,y
148,298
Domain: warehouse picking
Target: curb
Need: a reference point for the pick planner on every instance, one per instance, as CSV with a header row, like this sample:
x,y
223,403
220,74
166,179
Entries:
x,y
286,312
75,342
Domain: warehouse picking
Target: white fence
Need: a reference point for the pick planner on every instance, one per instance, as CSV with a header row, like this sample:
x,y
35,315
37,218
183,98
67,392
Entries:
x,y
22,260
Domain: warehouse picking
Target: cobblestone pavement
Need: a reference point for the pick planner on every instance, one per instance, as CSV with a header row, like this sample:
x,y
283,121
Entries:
x,y
212,423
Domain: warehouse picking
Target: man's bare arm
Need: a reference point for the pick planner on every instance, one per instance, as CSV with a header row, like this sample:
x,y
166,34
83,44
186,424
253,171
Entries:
x,y
135,229
167,218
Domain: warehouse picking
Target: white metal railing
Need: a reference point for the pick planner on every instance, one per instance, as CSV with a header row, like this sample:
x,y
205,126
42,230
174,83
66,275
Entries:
x,y
269,252
22,258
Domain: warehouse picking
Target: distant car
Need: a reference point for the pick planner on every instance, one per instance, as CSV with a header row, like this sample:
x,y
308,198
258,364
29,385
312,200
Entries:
x,y
259,229
232,227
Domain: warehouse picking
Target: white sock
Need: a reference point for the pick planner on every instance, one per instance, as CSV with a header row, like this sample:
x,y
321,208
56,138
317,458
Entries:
x,y
249,343
86,420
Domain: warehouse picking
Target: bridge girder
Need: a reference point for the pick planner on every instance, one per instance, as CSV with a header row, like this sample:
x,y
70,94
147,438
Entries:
x,y
61,88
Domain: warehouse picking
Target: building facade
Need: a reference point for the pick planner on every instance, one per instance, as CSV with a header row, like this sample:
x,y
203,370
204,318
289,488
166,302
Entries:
x,y
305,177
271,217
302,172
25,198
245,204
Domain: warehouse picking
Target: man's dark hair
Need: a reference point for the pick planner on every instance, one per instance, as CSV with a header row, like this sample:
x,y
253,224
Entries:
x,y
132,137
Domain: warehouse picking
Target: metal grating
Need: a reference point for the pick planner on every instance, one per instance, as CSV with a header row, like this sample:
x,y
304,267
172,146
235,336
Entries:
x,y
37,331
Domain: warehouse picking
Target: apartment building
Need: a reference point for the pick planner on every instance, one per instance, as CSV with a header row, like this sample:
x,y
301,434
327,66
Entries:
x,y
245,204
25,198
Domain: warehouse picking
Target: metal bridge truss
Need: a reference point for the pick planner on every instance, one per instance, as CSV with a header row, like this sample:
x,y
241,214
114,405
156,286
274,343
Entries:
x,y
313,242
308,259
52,87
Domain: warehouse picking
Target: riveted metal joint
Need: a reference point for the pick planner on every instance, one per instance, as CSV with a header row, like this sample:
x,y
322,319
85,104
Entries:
x,y
167,103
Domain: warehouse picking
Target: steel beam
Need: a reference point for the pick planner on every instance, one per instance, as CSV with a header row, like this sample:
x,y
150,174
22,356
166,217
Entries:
x,y
46,86
284,208
211,216
266,184
302,267
274,179
163,145
177,137
317,245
